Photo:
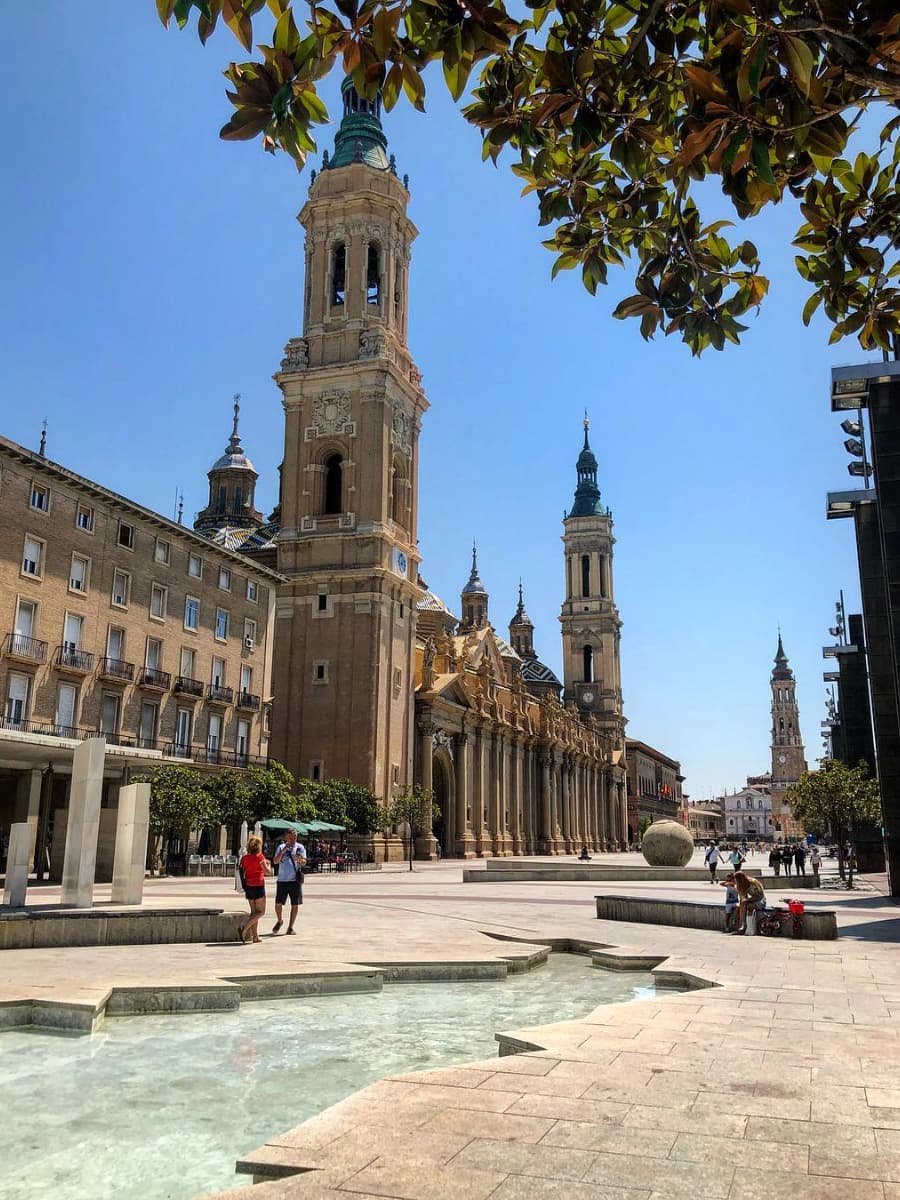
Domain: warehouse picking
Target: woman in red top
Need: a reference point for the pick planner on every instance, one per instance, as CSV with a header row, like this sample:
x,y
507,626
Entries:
x,y
254,869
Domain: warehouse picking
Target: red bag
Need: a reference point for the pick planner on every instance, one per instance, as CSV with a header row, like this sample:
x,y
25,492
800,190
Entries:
x,y
796,908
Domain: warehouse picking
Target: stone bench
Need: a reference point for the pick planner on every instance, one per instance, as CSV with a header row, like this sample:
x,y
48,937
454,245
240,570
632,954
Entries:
x,y
38,929
818,924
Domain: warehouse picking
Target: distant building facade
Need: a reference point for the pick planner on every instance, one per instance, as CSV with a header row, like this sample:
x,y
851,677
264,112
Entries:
x,y
654,783
705,821
748,814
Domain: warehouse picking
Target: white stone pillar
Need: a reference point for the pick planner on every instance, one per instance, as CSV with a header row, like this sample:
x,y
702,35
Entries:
x,y
83,827
17,864
34,810
132,832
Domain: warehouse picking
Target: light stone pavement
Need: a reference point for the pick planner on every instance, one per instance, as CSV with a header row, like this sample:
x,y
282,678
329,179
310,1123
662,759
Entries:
x,y
782,1082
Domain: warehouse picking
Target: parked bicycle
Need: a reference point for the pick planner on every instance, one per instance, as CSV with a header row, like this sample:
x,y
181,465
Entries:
x,y
771,922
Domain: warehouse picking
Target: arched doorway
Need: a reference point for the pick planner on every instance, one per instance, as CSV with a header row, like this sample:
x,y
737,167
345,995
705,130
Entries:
x,y
442,784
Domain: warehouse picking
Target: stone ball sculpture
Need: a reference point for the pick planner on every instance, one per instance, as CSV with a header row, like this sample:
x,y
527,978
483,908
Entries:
x,y
667,844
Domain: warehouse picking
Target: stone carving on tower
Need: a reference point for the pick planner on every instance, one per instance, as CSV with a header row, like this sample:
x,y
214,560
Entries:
x,y
788,756
346,616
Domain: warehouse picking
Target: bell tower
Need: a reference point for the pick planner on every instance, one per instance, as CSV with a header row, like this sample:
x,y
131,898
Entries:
x,y
590,621
788,757
345,617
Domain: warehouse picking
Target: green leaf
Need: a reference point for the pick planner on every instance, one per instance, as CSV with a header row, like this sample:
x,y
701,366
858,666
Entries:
x,y
810,307
761,161
801,61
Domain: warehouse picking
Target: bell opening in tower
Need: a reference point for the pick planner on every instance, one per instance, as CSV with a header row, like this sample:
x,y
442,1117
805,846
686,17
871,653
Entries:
x,y
334,470
373,275
585,575
588,656
338,275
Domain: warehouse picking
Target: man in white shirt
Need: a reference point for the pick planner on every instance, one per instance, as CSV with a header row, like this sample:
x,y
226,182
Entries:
x,y
289,860
711,859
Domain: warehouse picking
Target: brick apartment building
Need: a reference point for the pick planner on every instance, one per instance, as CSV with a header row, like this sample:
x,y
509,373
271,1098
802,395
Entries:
x,y
116,620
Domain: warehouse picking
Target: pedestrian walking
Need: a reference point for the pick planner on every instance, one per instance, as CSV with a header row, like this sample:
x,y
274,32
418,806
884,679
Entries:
x,y
800,859
253,868
787,857
815,861
711,858
289,861
775,860
736,858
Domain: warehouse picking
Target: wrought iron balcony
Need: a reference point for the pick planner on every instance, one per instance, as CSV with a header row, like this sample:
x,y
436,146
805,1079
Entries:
x,y
185,686
116,668
214,758
216,694
248,700
150,677
17,645
71,659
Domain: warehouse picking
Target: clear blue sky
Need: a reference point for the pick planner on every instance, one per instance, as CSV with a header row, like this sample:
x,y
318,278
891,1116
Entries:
x,y
151,270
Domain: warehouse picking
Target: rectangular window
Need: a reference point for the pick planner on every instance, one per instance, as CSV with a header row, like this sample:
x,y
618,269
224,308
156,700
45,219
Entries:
x,y
115,643
125,536
158,599
78,573
249,632
184,721
195,566
109,716
84,518
188,660
147,731
191,613
121,589
217,678
161,552
242,743
322,602
33,557
214,733
72,631
40,497
153,654
18,688
252,591
224,579
246,680
320,672
221,624
315,772
26,618
66,707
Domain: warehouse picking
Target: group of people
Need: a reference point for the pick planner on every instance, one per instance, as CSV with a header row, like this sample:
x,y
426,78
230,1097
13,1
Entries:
x,y
287,865
788,856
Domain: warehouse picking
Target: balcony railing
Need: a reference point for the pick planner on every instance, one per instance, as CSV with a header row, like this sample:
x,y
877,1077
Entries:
x,y
185,686
72,659
46,728
116,668
216,694
248,700
214,758
17,645
150,677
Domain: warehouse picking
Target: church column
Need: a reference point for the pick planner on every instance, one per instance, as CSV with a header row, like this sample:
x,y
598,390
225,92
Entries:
x,y
556,796
498,825
598,822
577,778
546,804
478,792
465,843
565,805
528,789
426,843
517,796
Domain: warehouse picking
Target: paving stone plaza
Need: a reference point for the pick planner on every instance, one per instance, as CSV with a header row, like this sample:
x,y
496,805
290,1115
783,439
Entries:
x,y
780,1080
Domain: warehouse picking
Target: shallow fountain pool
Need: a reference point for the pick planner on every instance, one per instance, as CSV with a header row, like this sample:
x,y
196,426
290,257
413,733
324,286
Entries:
x,y
159,1108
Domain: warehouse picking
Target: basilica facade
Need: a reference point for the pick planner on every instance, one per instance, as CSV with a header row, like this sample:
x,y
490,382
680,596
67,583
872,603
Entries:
x,y
374,678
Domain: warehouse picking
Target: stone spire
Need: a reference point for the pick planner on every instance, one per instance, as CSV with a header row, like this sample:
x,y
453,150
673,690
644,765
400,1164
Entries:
x,y
474,599
360,137
781,670
521,630
232,486
587,494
